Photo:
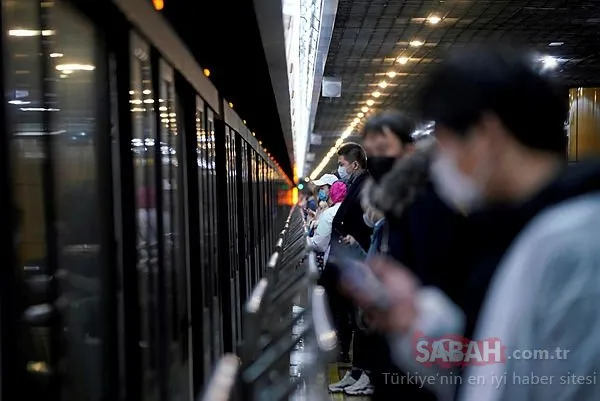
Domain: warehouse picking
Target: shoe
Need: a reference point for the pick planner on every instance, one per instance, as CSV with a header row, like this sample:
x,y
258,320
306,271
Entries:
x,y
362,386
346,381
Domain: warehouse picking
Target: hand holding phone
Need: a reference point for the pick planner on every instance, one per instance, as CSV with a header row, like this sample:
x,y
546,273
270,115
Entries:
x,y
360,282
386,291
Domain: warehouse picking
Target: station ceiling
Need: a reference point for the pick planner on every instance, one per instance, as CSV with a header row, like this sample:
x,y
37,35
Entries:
x,y
225,38
387,46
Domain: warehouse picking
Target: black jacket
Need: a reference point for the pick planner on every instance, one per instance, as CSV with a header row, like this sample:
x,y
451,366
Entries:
x,y
349,218
425,236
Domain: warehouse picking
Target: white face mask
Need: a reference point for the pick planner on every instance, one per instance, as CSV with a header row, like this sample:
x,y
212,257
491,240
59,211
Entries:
x,y
343,173
452,185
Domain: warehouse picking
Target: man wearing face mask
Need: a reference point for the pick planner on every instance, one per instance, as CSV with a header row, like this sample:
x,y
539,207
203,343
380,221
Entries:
x,y
535,263
350,237
418,239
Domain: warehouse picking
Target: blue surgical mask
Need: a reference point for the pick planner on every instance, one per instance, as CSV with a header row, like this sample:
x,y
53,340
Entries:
x,y
323,195
343,173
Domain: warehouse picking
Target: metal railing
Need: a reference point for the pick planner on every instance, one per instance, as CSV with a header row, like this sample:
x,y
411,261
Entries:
x,y
262,370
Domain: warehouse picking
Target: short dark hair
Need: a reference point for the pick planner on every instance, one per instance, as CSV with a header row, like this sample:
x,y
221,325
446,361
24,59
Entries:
x,y
502,81
353,152
399,123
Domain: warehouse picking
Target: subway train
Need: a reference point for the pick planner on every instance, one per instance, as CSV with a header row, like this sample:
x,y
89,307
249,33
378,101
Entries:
x,y
141,209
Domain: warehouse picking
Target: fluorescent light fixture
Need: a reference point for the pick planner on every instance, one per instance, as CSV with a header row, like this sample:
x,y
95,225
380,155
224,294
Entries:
x,y
370,102
376,94
29,32
37,109
56,55
75,67
556,44
19,102
391,74
360,115
383,84
402,60
415,43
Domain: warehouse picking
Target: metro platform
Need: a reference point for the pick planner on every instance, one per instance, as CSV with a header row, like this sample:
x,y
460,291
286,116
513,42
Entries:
x,y
289,344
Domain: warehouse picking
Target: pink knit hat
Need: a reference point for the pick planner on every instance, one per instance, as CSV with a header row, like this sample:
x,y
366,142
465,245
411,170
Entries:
x,y
337,193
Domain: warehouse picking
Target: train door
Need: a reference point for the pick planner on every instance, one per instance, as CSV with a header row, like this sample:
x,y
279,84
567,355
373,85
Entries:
x,y
206,254
58,304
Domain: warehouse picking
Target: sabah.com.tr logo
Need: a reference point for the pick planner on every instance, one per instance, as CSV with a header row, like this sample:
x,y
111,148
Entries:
x,y
455,350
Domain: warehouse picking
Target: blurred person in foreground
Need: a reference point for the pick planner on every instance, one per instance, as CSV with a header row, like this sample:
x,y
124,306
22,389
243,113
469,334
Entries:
x,y
420,231
501,157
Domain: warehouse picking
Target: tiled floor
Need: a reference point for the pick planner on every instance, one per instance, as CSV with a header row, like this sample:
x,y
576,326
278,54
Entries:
x,y
299,359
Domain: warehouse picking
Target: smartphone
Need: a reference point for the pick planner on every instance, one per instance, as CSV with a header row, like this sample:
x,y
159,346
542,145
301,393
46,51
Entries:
x,y
358,275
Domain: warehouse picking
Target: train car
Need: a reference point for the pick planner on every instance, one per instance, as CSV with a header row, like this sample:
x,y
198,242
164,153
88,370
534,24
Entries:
x,y
141,209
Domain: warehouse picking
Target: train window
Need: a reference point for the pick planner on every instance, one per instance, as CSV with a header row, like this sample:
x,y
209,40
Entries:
x,y
55,130
142,102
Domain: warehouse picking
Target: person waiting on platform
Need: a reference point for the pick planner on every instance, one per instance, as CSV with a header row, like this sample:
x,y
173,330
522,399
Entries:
x,y
323,187
320,241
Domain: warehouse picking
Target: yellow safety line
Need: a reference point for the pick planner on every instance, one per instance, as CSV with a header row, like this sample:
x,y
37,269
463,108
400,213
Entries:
x,y
334,377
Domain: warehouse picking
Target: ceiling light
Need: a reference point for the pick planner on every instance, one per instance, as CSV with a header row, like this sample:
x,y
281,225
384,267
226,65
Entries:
x,y
391,74
370,102
364,109
356,120
353,124
383,84
415,43
556,44
402,60
75,67
56,55
550,62
360,115
376,94
206,72
434,19
29,32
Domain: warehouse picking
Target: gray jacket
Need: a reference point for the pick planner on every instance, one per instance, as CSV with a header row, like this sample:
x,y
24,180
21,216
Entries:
x,y
542,305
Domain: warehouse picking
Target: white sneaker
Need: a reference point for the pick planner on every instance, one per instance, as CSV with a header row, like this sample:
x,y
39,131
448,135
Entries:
x,y
346,381
361,387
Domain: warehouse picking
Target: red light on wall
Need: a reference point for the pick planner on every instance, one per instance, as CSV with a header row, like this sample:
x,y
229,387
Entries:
x,y
158,4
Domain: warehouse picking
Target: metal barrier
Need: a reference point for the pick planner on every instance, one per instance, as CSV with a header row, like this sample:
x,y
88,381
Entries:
x,y
263,371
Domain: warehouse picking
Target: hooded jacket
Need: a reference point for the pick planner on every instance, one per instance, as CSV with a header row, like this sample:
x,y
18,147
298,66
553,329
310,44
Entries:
x,y
423,234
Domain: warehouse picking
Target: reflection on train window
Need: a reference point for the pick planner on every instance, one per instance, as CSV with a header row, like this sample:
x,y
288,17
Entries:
x,y
217,323
143,145
175,272
29,150
55,135
205,247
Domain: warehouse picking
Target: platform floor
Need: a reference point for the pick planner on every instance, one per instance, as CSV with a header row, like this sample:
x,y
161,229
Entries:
x,y
335,372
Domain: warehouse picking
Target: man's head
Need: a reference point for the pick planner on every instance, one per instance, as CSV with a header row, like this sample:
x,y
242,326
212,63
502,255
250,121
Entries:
x,y
351,160
499,124
388,135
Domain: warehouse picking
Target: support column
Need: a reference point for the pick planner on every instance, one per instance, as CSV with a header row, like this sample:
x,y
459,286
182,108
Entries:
x,y
584,123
